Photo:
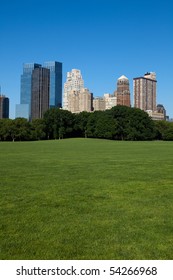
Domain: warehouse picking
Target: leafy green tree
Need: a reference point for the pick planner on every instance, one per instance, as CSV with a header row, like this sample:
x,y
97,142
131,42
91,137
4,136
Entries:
x,y
38,129
20,129
5,126
132,124
101,125
80,124
58,123
120,114
49,119
164,130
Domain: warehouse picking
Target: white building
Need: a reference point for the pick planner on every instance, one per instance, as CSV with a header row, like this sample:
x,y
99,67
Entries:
x,y
76,98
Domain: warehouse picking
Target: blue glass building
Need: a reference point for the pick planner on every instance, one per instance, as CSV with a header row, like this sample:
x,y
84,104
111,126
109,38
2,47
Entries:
x,y
23,110
55,92
55,98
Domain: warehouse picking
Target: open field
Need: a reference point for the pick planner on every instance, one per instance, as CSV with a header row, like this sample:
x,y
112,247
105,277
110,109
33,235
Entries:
x,y
86,199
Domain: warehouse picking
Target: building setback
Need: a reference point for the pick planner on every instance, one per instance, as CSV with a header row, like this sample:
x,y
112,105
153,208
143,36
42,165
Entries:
x,y
4,107
40,92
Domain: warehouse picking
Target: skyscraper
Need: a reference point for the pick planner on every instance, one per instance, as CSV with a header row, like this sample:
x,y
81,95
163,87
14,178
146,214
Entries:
x,y
40,92
74,82
55,99
144,91
123,91
4,107
24,108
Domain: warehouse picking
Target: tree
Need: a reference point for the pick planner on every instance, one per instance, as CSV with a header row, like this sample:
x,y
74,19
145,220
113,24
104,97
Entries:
x,y
164,130
80,124
58,123
132,124
5,126
101,125
20,129
38,129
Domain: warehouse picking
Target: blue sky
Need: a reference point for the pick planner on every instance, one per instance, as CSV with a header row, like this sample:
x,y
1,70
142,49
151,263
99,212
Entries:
x,y
103,38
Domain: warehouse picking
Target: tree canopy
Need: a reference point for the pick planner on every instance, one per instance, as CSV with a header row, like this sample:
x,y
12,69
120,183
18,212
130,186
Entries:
x,y
118,123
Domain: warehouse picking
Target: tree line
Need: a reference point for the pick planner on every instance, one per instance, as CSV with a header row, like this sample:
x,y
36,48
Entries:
x,y
118,123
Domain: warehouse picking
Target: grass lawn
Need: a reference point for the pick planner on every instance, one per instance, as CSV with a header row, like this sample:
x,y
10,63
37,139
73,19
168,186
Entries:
x,y
86,199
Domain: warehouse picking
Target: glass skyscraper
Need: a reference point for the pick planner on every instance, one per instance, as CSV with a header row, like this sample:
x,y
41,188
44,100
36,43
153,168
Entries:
x,y
23,110
40,92
55,99
55,91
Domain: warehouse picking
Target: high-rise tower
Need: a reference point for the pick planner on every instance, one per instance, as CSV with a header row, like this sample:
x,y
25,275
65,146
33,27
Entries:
x,y
144,92
74,82
123,91
24,108
55,68
40,92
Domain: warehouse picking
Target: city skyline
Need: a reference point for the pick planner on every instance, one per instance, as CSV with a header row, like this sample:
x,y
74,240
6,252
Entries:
x,y
74,87
104,39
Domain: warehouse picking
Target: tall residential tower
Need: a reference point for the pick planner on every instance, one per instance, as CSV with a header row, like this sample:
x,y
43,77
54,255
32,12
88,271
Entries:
x,y
144,92
76,98
74,82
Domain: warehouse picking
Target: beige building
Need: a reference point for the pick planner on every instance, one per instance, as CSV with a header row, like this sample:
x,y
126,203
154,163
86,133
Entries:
x,y
79,101
76,97
157,116
144,92
86,100
98,104
74,83
110,101
104,103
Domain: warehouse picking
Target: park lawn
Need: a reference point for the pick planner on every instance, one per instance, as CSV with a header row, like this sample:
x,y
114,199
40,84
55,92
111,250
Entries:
x,y
86,199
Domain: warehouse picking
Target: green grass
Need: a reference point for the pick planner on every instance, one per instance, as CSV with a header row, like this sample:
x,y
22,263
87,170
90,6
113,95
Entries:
x,y
86,199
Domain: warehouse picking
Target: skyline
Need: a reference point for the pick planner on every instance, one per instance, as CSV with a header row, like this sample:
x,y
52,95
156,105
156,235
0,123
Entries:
x,y
103,39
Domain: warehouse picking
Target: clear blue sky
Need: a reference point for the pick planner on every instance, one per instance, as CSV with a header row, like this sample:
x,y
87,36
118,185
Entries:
x,y
103,38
